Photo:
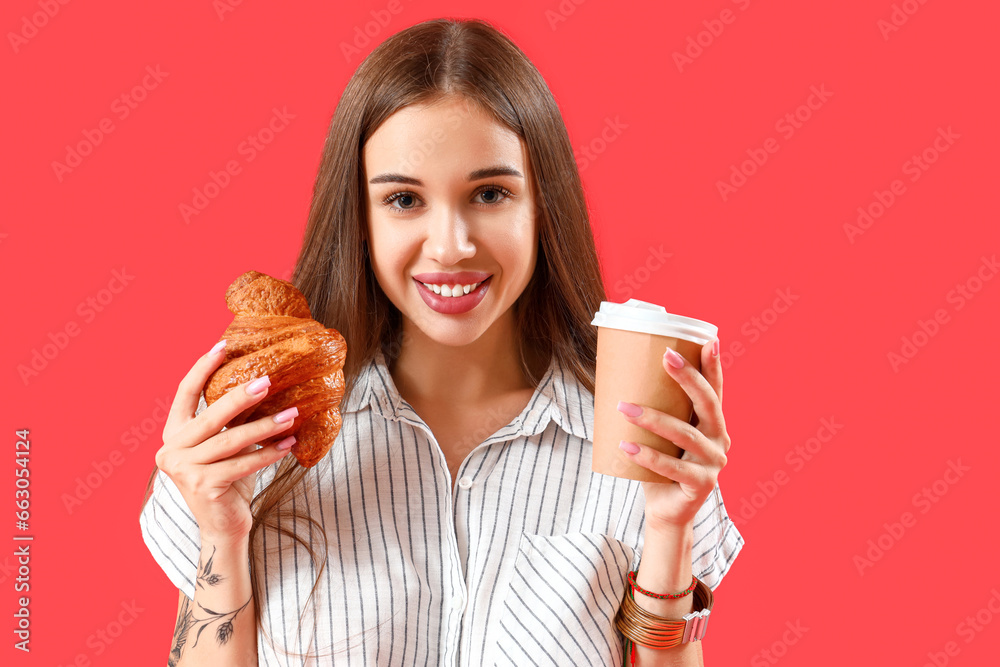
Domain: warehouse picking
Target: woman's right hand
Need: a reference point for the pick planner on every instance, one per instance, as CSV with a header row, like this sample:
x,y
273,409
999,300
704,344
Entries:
x,y
214,469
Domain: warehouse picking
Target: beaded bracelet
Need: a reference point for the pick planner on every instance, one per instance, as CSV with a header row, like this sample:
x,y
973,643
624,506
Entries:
x,y
664,596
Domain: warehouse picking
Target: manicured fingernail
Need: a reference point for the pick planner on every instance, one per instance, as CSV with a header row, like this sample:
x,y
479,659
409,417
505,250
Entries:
x,y
674,359
286,415
630,409
218,346
715,348
258,386
629,447
286,443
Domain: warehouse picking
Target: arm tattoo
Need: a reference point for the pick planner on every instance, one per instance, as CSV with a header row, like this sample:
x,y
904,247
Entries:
x,y
186,619
205,573
180,631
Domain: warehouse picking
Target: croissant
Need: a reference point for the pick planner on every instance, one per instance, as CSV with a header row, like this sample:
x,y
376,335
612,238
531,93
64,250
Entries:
x,y
273,333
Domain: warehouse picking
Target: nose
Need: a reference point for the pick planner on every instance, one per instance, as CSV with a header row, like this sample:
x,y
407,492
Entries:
x,y
448,239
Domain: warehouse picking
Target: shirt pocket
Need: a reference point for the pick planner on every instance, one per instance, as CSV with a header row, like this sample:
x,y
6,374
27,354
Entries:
x,y
565,591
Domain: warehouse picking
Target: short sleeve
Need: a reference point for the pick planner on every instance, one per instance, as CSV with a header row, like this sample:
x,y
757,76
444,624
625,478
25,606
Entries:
x,y
716,544
717,541
170,530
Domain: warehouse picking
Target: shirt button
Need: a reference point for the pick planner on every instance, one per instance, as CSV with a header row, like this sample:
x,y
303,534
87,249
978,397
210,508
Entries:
x,y
457,601
465,482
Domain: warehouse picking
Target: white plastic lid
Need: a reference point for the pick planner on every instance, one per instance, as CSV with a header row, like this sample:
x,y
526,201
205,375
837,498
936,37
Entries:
x,y
645,317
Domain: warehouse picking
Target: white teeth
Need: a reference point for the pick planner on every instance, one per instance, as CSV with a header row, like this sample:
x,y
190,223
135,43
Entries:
x,y
449,290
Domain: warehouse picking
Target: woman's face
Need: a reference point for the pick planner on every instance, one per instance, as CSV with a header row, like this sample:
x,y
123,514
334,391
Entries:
x,y
449,204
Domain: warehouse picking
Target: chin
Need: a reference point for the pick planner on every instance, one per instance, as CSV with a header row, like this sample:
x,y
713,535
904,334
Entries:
x,y
452,330
454,335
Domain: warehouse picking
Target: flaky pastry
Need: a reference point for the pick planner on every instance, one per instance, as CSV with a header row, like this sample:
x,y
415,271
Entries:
x,y
273,333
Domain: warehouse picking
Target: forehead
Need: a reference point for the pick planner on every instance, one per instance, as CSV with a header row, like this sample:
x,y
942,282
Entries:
x,y
449,136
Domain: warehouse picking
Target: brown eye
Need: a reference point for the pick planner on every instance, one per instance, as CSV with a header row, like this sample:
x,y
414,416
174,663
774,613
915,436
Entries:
x,y
407,199
499,194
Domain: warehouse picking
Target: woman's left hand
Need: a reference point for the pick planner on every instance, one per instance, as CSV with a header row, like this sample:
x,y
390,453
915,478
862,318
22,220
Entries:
x,y
704,441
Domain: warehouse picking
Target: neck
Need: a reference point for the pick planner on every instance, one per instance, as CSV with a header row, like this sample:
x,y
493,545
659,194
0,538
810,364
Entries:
x,y
474,374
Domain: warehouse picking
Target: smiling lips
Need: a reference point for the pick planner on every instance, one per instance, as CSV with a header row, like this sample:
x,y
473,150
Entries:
x,y
452,294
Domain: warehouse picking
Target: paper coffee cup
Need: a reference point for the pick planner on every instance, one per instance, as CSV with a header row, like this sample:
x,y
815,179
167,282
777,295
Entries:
x,y
631,340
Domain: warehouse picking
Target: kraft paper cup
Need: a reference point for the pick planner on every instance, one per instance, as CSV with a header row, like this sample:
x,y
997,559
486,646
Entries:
x,y
631,340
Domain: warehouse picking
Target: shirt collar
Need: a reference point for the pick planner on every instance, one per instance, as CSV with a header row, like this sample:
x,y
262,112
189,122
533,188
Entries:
x,y
559,397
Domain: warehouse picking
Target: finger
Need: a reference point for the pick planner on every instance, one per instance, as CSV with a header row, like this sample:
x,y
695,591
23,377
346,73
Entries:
x,y
238,467
679,432
189,389
711,366
241,438
222,411
671,467
704,399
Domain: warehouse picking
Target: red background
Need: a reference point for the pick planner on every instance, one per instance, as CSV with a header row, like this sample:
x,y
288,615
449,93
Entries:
x,y
654,183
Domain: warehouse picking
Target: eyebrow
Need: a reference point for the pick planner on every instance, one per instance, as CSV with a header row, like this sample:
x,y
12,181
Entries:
x,y
487,172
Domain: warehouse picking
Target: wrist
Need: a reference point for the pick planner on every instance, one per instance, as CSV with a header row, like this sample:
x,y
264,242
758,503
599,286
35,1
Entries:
x,y
669,531
670,545
665,567
224,542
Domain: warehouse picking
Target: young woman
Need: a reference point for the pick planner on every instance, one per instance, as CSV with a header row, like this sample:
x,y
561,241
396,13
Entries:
x,y
456,519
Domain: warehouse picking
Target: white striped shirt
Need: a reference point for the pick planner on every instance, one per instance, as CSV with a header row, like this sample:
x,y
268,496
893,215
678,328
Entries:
x,y
521,561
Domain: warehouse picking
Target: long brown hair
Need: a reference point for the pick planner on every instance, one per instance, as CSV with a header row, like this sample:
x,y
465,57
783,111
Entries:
x,y
422,64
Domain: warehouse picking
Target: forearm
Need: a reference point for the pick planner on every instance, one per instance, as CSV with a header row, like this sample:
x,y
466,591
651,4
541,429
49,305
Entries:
x,y
665,567
218,626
